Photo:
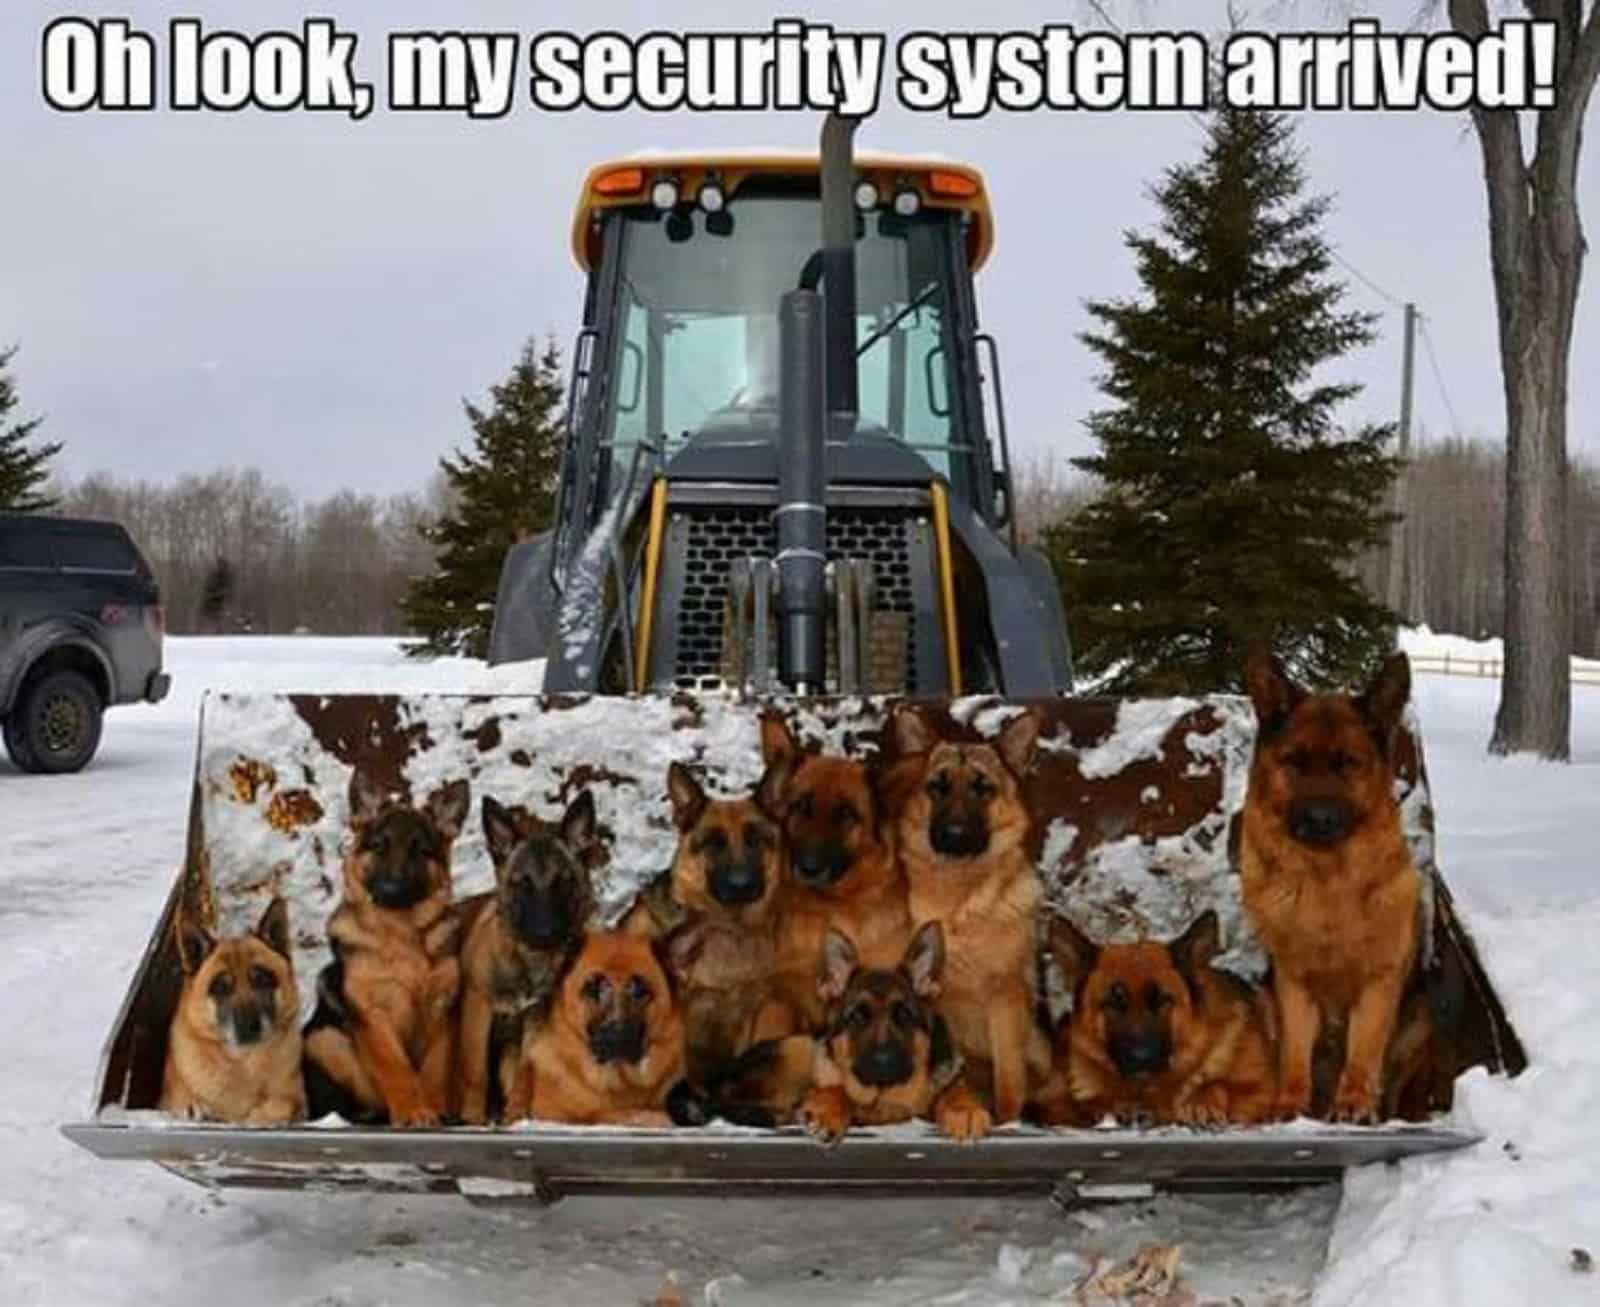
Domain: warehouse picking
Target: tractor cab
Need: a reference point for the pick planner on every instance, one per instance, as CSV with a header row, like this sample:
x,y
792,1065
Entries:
x,y
783,425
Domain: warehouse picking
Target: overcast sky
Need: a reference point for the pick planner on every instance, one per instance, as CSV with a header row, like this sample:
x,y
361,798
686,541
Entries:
x,y
314,296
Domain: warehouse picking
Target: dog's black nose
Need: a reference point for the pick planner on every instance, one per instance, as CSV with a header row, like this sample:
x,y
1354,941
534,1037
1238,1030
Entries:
x,y
734,883
959,839
247,1024
617,1041
1320,821
820,864
539,920
887,1063
1139,1054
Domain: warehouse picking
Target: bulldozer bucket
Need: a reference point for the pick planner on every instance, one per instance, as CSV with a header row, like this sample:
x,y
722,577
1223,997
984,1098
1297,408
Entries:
x,y
1134,802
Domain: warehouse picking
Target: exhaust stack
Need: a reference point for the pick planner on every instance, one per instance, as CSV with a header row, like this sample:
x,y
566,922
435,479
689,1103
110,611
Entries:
x,y
837,168
801,515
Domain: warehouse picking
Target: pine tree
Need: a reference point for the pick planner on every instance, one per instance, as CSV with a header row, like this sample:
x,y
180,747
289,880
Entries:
x,y
505,490
1231,506
23,471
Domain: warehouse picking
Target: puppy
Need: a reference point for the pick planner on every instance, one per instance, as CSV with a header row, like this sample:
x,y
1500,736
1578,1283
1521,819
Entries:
x,y
519,941
381,1043
612,1051
845,874
1157,1033
884,1055
961,831
233,1051
730,863
1327,875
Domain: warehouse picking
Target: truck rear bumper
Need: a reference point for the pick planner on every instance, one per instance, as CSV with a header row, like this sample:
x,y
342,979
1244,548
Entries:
x,y
156,687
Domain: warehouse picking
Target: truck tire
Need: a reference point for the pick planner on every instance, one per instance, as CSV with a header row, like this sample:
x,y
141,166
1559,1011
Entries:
x,y
55,725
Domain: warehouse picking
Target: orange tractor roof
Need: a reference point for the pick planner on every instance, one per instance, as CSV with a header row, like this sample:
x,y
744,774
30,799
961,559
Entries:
x,y
623,182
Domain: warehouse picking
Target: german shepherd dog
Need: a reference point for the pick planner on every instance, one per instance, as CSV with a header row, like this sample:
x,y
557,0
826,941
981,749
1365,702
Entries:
x,y
961,832
845,874
519,941
884,1053
1157,1033
381,1043
612,1052
730,865
233,1051
1327,875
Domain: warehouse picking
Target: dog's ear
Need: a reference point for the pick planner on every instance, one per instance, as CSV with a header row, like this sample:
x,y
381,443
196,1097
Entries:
x,y
1019,740
1075,953
912,734
1193,950
838,964
774,781
1271,691
367,797
924,960
500,831
1384,701
273,928
195,943
578,828
679,949
688,799
448,806
777,740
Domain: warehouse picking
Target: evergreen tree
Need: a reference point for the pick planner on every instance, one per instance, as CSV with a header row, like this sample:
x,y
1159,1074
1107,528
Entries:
x,y
23,471
505,490
1231,506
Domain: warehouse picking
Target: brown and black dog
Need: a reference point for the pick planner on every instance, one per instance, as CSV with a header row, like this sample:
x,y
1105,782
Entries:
x,y
728,870
961,832
1156,1032
233,1052
381,1043
883,1055
845,873
1327,875
613,1049
518,943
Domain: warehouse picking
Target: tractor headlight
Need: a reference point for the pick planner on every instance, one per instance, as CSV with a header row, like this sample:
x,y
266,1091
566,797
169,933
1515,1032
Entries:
x,y
907,202
664,194
712,199
866,195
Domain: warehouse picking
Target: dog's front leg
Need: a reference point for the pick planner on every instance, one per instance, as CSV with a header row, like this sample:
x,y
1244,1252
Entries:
x,y
1299,1020
383,1055
477,1019
1366,1041
1010,1026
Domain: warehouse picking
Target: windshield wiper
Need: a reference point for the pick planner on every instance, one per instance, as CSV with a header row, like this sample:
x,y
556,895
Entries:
x,y
922,298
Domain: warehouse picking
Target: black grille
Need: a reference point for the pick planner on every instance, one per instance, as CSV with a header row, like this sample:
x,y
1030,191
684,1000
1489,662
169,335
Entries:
x,y
715,537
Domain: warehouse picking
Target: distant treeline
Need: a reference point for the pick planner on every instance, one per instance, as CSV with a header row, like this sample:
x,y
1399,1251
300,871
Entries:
x,y
236,553
338,566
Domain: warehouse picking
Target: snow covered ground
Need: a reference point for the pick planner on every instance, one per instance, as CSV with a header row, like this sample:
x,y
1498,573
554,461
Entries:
x,y
86,861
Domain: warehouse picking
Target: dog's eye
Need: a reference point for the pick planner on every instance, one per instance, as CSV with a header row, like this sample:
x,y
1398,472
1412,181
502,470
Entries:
x,y
859,1016
902,1015
596,988
261,978
756,837
638,989
1158,999
843,813
982,786
1116,999
1297,760
378,844
939,786
804,807
221,985
713,842
1339,762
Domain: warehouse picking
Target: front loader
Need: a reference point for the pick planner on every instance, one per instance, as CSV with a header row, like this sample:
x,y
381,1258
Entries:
x,y
786,487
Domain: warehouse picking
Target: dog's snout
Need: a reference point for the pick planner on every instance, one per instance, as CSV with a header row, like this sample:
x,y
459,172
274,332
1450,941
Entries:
x,y
539,918
617,1041
247,1023
1320,821
959,837
820,863
1139,1052
737,882
884,1063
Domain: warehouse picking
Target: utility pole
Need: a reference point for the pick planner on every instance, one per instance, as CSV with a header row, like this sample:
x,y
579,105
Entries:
x,y
1399,592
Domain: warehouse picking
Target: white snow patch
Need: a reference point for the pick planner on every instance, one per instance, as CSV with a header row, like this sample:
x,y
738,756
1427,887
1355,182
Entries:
x,y
1142,727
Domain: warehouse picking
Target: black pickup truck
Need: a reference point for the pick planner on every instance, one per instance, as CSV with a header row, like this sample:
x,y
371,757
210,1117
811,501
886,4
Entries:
x,y
80,631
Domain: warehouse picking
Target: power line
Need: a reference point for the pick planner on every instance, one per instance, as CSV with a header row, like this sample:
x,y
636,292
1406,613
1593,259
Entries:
x,y
1438,377
1370,284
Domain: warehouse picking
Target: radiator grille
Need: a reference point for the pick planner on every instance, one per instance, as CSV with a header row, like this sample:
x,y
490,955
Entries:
x,y
716,537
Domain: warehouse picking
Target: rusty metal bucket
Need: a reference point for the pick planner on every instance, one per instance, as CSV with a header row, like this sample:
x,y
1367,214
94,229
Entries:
x,y
1135,805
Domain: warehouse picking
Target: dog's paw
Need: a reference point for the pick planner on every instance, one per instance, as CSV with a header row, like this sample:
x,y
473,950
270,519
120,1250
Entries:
x,y
1355,1104
964,1120
1292,1101
825,1116
686,1106
1200,1116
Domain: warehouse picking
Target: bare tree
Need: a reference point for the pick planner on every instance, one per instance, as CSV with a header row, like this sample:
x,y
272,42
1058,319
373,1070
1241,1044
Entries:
x,y
1536,246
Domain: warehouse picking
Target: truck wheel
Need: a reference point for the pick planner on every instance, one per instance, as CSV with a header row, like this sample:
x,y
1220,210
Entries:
x,y
56,723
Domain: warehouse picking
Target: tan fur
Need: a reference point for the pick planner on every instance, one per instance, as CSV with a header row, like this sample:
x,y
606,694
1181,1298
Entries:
x,y
1340,920
829,800
1221,1063
561,1079
209,1075
986,904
